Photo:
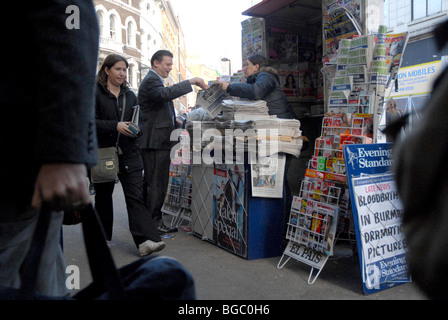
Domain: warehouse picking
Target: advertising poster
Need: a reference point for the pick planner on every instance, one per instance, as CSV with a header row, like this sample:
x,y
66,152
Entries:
x,y
377,216
252,37
229,208
267,179
417,79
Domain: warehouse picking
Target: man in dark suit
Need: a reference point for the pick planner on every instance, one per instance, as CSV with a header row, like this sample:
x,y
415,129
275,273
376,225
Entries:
x,y
158,121
48,136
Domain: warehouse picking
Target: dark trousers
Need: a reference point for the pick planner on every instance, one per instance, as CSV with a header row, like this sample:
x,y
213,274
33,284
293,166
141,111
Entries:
x,y
157,168
141,225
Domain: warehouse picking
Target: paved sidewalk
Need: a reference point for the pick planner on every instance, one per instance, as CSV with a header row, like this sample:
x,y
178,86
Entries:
x,y
220,275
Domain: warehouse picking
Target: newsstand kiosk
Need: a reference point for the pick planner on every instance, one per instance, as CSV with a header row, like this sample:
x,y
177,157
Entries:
x,y
225,213
340,51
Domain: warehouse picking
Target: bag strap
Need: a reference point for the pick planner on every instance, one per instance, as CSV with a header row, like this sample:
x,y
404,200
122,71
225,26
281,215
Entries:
x,y
102,266
122,115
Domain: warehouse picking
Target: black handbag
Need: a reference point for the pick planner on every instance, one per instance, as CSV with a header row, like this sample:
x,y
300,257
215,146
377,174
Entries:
x,y
151,277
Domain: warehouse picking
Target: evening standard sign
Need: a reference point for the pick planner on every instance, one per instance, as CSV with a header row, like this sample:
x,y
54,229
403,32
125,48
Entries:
x,y
377,216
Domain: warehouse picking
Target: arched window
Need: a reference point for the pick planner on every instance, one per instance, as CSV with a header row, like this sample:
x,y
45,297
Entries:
x,y
130,34
112,26
131,75
100,17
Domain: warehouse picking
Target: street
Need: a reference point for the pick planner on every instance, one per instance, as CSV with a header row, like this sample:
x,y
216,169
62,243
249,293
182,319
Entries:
x,y
220,275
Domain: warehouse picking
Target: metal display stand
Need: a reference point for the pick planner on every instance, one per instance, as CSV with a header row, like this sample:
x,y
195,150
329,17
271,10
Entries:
x,y
202,202
178,196
312,225
325,182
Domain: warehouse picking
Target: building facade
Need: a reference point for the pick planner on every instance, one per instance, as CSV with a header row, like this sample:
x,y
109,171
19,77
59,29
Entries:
x,y
422,60
136,29
119,23
418,17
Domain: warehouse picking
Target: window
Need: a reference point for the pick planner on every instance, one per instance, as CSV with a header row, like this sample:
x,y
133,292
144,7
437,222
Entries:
x,y
100,18
131,75
112,27
130,34
424,8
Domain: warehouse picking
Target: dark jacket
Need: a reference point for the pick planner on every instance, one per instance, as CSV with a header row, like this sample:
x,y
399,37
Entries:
x,y
265,86
157,110
49,111
108,110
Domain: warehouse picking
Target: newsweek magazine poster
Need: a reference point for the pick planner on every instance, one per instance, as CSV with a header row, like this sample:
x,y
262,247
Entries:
x,y
229,208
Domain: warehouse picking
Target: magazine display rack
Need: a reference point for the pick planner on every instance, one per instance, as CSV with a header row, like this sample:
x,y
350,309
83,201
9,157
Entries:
x,y
362,70
178,196
318,216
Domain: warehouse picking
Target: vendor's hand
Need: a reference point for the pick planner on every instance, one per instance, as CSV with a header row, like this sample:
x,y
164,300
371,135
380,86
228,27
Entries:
x,y
199,82
123,128
223,84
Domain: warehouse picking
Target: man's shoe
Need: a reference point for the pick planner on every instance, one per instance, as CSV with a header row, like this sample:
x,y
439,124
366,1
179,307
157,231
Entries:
x,y
166,229
149,247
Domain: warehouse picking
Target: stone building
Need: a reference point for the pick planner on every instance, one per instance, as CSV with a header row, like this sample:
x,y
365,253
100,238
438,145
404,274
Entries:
x,y
136,29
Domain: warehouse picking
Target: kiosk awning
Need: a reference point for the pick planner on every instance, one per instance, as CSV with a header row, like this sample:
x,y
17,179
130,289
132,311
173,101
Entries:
x,y
266,7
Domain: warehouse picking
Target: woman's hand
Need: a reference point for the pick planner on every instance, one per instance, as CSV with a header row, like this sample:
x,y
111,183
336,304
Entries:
x,y
223,84
122,127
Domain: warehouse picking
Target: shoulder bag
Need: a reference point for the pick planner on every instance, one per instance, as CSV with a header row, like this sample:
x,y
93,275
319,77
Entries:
x,y
107,168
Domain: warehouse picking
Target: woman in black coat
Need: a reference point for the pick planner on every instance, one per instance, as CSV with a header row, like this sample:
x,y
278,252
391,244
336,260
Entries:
x,y
111,93
262,83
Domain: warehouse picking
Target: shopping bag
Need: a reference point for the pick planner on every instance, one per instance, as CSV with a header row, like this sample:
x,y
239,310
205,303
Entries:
x,y
107,168
72,216
152,277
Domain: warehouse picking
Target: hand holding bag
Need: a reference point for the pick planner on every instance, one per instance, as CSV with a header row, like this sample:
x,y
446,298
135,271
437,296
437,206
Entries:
x,y
149,278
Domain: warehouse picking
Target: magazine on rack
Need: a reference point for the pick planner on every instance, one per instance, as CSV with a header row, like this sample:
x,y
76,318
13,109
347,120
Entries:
x,y
339,24
395,46
313,224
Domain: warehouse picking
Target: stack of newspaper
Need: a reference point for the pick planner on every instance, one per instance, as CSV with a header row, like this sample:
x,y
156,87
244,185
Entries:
x,y
279,135
244,109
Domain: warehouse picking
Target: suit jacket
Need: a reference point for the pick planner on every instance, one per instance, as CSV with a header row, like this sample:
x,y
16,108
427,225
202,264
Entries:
x,y
157,111
49,112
